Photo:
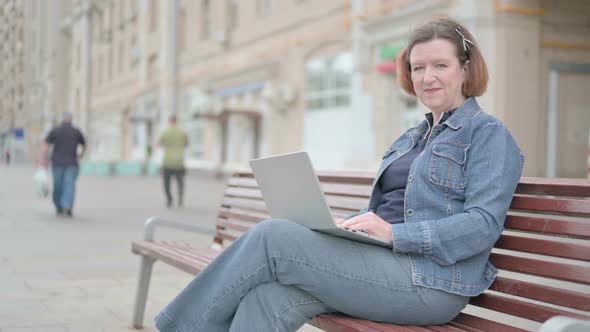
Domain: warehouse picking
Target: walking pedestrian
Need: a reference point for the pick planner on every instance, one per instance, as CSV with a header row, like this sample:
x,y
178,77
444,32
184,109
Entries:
x,y
64,139
174,140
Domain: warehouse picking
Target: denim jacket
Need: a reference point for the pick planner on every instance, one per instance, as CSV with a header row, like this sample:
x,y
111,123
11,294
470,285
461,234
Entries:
x,y
458,193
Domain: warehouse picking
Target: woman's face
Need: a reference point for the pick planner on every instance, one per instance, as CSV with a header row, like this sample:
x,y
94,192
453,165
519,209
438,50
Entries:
x,y
437,75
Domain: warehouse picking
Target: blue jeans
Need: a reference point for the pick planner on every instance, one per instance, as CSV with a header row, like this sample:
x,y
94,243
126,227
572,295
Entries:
x,y
281,274
64,186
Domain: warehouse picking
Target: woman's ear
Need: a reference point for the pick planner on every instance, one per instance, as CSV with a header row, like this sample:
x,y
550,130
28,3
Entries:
x,y
465,67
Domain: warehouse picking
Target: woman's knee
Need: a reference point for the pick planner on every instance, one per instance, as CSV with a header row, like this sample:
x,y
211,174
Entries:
x,y
275,227
279,233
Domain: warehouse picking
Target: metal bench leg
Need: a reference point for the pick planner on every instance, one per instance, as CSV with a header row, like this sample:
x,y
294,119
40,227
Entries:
x,y
145,274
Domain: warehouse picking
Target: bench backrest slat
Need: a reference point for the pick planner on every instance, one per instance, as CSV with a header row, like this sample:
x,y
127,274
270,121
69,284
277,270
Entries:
x,y
549,269
242,215
568,207
553,186
540,225
545,247
244,204
547,236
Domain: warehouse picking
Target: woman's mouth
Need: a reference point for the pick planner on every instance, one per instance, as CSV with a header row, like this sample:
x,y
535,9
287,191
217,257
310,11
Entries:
x,y
433,90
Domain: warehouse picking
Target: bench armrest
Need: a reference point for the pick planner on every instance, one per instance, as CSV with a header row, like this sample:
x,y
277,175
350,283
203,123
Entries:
x,y
565,324
154,222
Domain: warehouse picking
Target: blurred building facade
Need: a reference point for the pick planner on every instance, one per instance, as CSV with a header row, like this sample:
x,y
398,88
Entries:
x,y
12,93
48,57
252,78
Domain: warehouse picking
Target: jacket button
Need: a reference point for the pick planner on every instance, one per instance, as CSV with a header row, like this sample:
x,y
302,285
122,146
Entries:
x,y
410,212
410,178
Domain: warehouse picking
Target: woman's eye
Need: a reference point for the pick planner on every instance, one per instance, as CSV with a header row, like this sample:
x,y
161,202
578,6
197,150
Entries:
x,y
417,68
441,65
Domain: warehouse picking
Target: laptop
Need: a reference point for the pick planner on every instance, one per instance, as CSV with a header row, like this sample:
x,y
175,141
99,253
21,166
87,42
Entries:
x,y
291,190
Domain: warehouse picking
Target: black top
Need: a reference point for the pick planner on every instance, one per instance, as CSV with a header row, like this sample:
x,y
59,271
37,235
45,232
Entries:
x,y
65,140
394,180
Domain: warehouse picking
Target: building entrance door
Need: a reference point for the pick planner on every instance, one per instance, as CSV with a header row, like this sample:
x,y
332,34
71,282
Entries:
x,y
569,121
142,140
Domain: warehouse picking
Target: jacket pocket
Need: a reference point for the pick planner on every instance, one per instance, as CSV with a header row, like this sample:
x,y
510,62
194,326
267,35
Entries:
x,y
447,164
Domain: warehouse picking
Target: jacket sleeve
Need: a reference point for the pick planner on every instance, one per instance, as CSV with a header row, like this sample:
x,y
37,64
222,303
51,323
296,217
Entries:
x,y
491,181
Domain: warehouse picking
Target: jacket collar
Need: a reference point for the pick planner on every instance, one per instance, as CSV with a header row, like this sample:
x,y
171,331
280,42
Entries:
x,y
462,114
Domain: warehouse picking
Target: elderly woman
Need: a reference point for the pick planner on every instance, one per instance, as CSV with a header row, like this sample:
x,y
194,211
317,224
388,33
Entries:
x,y
441,194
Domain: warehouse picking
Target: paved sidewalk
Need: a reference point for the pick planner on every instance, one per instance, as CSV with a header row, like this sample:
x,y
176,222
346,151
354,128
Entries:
x,y
78,275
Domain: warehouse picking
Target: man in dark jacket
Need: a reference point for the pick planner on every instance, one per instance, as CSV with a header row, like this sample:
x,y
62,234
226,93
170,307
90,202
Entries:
x,y
64,162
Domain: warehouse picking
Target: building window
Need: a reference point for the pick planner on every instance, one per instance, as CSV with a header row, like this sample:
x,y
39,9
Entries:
x,y
205,19
112,16
154,14
77,101
121,57
234,14
110,62
134,51
100,71
264,8
152,67
122,6
195,101
78,56
181,29
328,82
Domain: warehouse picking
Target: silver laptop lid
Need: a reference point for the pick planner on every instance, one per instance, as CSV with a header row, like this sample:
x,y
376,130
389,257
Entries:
x,y
292,190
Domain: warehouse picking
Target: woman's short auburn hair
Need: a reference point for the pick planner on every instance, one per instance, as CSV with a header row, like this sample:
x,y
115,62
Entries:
x,y
476,81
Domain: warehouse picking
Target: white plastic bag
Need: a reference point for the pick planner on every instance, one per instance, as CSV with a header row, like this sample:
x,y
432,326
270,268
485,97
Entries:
x,y
41,179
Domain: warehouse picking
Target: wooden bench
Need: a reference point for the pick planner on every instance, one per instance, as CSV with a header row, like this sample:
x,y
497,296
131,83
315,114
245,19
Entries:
x,y
543,255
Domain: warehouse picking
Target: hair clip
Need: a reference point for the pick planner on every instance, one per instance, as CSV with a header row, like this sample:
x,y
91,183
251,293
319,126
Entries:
x,y
467,44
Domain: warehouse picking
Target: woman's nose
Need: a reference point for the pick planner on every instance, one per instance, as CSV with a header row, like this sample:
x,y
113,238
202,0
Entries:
x,y
428,75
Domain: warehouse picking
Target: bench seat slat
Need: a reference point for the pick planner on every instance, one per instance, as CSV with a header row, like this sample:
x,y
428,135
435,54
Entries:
x,y
148,249
205,255
464,327
562,271
570,228
337,322
544,247
567,207
185,252
518,308
444,328
190,255
482,324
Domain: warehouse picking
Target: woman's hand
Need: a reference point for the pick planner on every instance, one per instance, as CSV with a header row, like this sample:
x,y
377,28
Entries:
x,y
368,222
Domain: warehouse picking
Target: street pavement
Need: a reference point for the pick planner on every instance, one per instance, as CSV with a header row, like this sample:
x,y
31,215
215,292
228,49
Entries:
x,y
60,274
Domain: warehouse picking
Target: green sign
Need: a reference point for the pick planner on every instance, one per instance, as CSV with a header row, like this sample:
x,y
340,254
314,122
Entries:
x,y
391,51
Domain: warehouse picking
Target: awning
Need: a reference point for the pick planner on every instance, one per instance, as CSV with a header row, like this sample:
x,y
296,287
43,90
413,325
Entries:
x,y
249,87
